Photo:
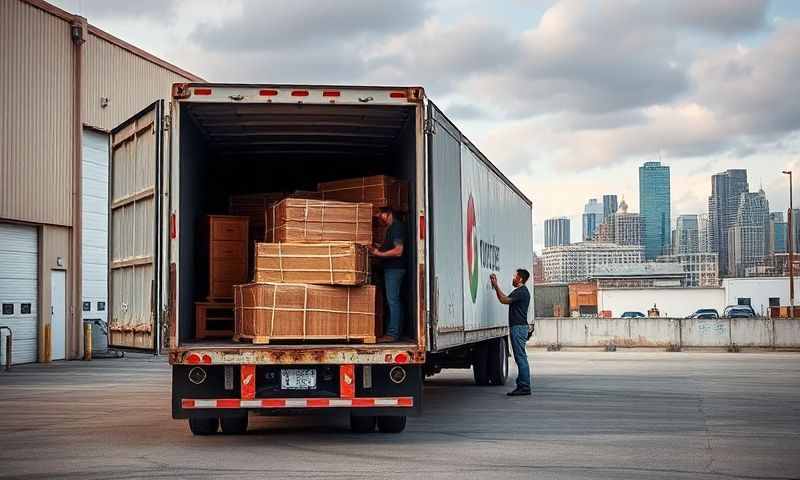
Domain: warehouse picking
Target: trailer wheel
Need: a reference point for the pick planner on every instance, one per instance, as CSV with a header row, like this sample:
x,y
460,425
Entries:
x,y
498,361
233,424
360,424
391,424
203,425
480,364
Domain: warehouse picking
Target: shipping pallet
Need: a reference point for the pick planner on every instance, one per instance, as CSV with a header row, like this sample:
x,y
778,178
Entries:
x,y
213,320
264,340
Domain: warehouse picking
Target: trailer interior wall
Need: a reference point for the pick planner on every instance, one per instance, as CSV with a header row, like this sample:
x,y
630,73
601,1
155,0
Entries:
x,y
249,148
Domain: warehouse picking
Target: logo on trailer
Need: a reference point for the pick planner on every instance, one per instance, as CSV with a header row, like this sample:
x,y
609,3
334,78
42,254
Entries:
x,y
472,249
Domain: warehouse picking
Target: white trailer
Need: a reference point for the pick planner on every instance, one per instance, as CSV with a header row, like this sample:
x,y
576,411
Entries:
x,y
172,164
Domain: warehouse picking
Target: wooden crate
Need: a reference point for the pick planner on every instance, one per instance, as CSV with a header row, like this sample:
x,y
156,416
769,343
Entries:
x,y
273,312
213,320
295,220
333,263
379,190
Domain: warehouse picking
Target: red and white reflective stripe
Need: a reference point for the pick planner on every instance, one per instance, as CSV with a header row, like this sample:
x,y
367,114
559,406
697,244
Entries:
x,y
299,402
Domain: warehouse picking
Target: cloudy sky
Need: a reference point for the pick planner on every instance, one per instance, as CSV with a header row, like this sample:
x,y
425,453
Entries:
x,y
567,97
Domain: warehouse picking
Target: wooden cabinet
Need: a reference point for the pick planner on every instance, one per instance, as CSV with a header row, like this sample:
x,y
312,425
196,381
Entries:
x,y
227,255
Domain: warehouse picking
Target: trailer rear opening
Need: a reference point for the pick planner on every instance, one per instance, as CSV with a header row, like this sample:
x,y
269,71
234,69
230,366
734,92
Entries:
x,y
230,148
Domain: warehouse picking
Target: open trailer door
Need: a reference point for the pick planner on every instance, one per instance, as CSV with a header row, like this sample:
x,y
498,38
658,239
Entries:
x,y
135,223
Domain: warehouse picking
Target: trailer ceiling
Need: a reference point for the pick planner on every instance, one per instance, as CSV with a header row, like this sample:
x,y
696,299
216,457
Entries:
x,y
262,130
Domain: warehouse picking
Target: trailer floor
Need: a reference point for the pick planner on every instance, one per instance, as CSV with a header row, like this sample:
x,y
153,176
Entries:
x,y
622,415
224,343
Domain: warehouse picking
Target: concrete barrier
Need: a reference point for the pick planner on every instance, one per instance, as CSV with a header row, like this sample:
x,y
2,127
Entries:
x,y
666,332
752,332
787,333
545,333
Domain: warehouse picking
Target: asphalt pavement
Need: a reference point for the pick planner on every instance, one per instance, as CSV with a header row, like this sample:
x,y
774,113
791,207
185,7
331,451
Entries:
x,y
620,415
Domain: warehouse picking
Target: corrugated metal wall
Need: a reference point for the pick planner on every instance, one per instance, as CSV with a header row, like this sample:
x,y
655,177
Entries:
x,y
36,114
129,82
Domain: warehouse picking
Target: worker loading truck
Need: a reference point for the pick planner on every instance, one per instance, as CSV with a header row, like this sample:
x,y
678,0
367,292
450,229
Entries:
x,y
248,239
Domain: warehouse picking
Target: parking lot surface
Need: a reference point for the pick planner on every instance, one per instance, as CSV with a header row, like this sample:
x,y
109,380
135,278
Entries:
x,y
621,415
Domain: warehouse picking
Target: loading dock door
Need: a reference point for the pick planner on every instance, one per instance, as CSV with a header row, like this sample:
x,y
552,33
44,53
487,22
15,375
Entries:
x,y
19,255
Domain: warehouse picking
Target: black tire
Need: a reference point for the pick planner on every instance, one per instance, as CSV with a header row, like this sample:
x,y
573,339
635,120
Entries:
x,y
234,424
203,425
360,424
480,364
391,424
498,362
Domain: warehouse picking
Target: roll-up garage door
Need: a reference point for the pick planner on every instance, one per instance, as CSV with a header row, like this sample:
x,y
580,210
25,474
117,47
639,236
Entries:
x,y
19,253
94,246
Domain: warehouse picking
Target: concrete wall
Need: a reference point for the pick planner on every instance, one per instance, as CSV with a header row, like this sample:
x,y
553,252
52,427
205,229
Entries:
x,y
671,302
665,332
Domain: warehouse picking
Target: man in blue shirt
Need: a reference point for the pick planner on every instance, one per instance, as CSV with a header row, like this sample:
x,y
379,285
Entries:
x,y
518,302
392,255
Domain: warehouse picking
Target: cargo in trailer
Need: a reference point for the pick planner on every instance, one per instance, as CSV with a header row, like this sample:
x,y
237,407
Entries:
x,y
229,150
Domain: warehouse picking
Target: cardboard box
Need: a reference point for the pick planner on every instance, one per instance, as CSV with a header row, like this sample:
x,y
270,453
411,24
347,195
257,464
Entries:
x,y
379,190
271,312
303,221
334,263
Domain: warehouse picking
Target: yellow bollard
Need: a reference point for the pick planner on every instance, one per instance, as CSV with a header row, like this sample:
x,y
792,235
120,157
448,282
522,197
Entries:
x,y
87,341
47,346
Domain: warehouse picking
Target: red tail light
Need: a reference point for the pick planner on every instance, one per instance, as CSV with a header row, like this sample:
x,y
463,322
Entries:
x,y
398,95
202,91
267,93
299,93
331,93
401,358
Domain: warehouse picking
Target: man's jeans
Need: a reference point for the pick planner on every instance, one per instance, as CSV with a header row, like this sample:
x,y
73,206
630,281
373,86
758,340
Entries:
x,y
519,337
393,277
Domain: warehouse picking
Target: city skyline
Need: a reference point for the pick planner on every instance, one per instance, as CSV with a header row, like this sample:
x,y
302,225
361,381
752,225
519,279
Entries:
x,y
781,192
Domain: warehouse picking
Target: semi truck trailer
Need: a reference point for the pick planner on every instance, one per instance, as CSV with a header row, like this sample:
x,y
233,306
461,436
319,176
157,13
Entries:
x,y
179,160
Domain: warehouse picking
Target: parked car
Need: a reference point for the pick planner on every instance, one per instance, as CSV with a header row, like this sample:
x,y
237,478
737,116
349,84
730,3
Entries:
x,y
633,315
705,313
739,311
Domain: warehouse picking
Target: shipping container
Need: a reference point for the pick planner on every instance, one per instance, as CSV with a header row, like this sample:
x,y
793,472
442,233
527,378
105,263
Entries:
x,y
173,164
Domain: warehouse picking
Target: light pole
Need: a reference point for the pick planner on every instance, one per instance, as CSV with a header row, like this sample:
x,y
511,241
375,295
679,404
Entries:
x,y
790,227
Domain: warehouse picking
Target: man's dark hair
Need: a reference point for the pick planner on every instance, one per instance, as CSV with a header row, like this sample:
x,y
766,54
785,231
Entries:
x,y
524,274
386,210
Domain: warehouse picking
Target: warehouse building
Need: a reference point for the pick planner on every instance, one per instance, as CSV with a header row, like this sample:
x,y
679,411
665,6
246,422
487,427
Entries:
x,y
66,85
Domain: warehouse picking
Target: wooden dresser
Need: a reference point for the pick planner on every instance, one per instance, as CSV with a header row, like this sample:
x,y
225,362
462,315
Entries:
x,y
227,255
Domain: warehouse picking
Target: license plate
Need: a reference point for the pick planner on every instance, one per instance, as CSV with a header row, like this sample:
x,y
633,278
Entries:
x,y
298,379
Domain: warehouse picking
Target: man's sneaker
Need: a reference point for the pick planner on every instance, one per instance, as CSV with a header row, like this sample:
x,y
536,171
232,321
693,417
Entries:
x,y
519,392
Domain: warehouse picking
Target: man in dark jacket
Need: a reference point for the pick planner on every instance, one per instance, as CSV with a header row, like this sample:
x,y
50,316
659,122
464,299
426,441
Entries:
x,y
518,302
392,255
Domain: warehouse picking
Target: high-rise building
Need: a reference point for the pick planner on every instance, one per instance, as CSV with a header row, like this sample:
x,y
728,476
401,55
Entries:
x,y
654,207
723,204
776,241
747,237
577,262
538,269
592,218
686,235
609,205
626,228
556,231
703,232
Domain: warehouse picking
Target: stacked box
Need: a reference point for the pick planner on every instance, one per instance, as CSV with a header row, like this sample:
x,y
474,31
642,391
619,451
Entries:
x,y
295,220
334,263
266,312
379,190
